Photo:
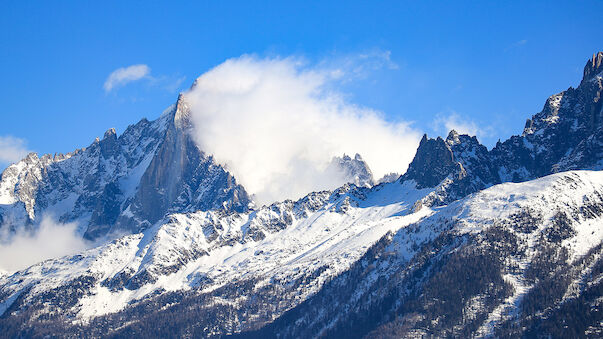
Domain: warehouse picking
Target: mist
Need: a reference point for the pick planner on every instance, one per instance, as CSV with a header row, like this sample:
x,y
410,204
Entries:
x,y
49,240
276,123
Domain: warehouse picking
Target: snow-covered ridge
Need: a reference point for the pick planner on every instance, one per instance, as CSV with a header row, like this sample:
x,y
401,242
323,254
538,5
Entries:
x,y
324,232
566,135
205,250
527,232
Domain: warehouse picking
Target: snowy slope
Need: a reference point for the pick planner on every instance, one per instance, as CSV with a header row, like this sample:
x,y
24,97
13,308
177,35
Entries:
x,y
477,267
284,240
304,244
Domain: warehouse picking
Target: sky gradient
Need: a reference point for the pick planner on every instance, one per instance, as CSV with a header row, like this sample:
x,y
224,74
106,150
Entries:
x,y
486,65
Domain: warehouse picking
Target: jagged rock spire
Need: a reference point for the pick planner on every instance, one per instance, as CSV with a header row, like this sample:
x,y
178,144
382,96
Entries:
x,y
453,137
432,163
593,66
182,113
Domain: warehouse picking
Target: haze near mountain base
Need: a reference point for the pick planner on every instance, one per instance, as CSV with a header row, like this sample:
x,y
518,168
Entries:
x,y
50,240
277,124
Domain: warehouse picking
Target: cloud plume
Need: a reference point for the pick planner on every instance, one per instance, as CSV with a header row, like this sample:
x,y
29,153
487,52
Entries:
x,y
276,123
124,75
49,240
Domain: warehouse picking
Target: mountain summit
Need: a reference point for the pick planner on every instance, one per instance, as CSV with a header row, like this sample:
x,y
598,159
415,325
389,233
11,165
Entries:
x,y
121,184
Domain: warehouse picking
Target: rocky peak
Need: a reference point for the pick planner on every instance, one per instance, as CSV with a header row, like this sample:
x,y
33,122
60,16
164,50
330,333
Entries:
x,y
181,178
182,113
560,137
31,158
593,66
109,145
453,138
433,162
59,157
455,167
110,133
124,183
462,142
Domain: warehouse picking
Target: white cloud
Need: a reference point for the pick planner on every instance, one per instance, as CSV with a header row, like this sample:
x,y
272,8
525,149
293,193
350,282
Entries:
x,y
12,149
358,67
443,123
516,44
49,240
174,84
124,75
276,123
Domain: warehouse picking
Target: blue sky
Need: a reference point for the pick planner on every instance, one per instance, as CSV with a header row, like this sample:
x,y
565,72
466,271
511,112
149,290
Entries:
x,y
487,65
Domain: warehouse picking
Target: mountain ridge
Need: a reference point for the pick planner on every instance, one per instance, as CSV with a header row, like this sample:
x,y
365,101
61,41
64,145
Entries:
x,y
117,180
565,135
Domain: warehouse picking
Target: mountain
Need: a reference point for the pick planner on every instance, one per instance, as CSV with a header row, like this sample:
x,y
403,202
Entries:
x,y
289,246
565,135
121,184
344,264
468,242
125,184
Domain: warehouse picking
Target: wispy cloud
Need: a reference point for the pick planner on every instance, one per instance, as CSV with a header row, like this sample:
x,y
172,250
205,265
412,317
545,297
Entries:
x,y
124,75
445,122
358,66
49,240
516,44
12,149
173,85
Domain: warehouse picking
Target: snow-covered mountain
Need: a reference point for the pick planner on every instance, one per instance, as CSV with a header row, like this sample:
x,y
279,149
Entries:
x,y
337,264
121,184
206,250
508,261
451,248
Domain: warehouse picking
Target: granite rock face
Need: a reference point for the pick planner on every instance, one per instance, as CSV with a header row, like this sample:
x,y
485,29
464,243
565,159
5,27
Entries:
x,y
433,163
121,184
180,178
